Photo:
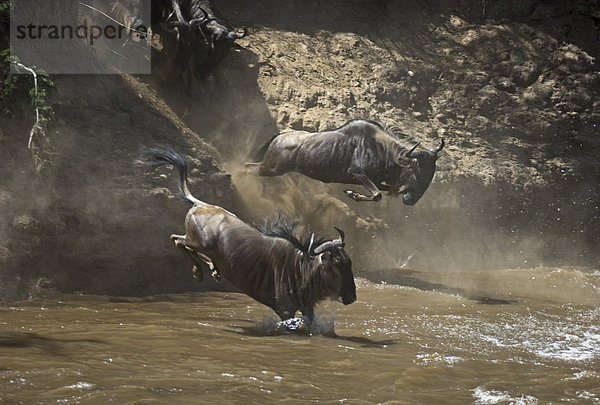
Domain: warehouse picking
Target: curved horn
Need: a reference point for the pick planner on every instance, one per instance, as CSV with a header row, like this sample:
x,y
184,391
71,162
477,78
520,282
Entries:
x,y
312,240
176,24
439,148
199,21
324,246
236,35
408,155
336,243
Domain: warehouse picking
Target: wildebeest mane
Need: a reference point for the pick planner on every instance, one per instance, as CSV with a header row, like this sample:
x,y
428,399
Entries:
x,y
402,142
392,129
376,123
281,227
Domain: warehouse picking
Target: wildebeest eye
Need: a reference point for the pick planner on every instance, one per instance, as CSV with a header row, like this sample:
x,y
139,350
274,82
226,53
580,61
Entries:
x,y
337,258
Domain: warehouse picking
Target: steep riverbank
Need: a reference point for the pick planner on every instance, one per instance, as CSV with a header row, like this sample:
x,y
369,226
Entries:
x,y
512,88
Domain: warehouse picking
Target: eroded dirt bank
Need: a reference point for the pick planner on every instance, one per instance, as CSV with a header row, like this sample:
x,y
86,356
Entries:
x,y
89,216
512,89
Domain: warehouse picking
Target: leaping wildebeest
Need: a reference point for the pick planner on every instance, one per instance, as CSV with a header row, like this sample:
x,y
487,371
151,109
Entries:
x,y
273,265
359,152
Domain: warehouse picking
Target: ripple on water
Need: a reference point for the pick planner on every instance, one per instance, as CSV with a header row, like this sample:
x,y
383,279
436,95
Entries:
x,y
483,396
215,347
80,386
573,337
427,358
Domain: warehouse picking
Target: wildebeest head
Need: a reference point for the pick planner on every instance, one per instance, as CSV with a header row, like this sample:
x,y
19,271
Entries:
x,y
335,270
422,168
326,268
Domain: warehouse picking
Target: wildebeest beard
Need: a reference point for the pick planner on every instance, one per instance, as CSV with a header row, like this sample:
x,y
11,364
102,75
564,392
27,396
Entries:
x,y
297,274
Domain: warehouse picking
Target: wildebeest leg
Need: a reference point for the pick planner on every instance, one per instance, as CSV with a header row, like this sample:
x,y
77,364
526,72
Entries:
x,y
362,178
258,169
309,315
284,314
252,168
267,172
207,260
179,241
187,79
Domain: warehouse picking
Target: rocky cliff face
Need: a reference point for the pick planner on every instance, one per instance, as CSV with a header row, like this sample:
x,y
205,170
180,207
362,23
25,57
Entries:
x,y
93,217
511,86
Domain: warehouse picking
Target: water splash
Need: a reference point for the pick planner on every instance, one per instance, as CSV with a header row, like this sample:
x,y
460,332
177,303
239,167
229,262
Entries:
x,y
484,396
323,324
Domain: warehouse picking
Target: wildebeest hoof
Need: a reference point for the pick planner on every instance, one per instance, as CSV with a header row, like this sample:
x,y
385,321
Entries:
x,y
197,273
360,197
177,240
352,194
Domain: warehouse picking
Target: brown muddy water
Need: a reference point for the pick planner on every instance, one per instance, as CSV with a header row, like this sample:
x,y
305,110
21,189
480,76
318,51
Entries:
x,y
507,336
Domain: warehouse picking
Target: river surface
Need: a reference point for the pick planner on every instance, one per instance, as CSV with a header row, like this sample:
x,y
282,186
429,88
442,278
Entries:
x,y
505,336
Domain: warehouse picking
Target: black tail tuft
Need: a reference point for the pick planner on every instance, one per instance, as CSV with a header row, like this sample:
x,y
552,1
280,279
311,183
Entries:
x,y
162,155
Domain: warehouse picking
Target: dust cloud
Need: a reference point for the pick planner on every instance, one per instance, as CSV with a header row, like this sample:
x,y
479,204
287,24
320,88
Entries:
x,y
454,227
517,184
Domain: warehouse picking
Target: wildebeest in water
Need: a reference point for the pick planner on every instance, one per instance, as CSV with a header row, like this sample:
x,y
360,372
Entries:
x,y
273,265
359,152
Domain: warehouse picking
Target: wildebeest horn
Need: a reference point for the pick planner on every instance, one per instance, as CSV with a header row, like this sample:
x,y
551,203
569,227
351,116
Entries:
x,y
336,243
408,155
312,240
324,246
439,148
199,21
236,35
176,24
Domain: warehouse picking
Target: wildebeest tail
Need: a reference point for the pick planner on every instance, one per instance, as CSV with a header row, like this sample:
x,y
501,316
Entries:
x,y
260,154
163,155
